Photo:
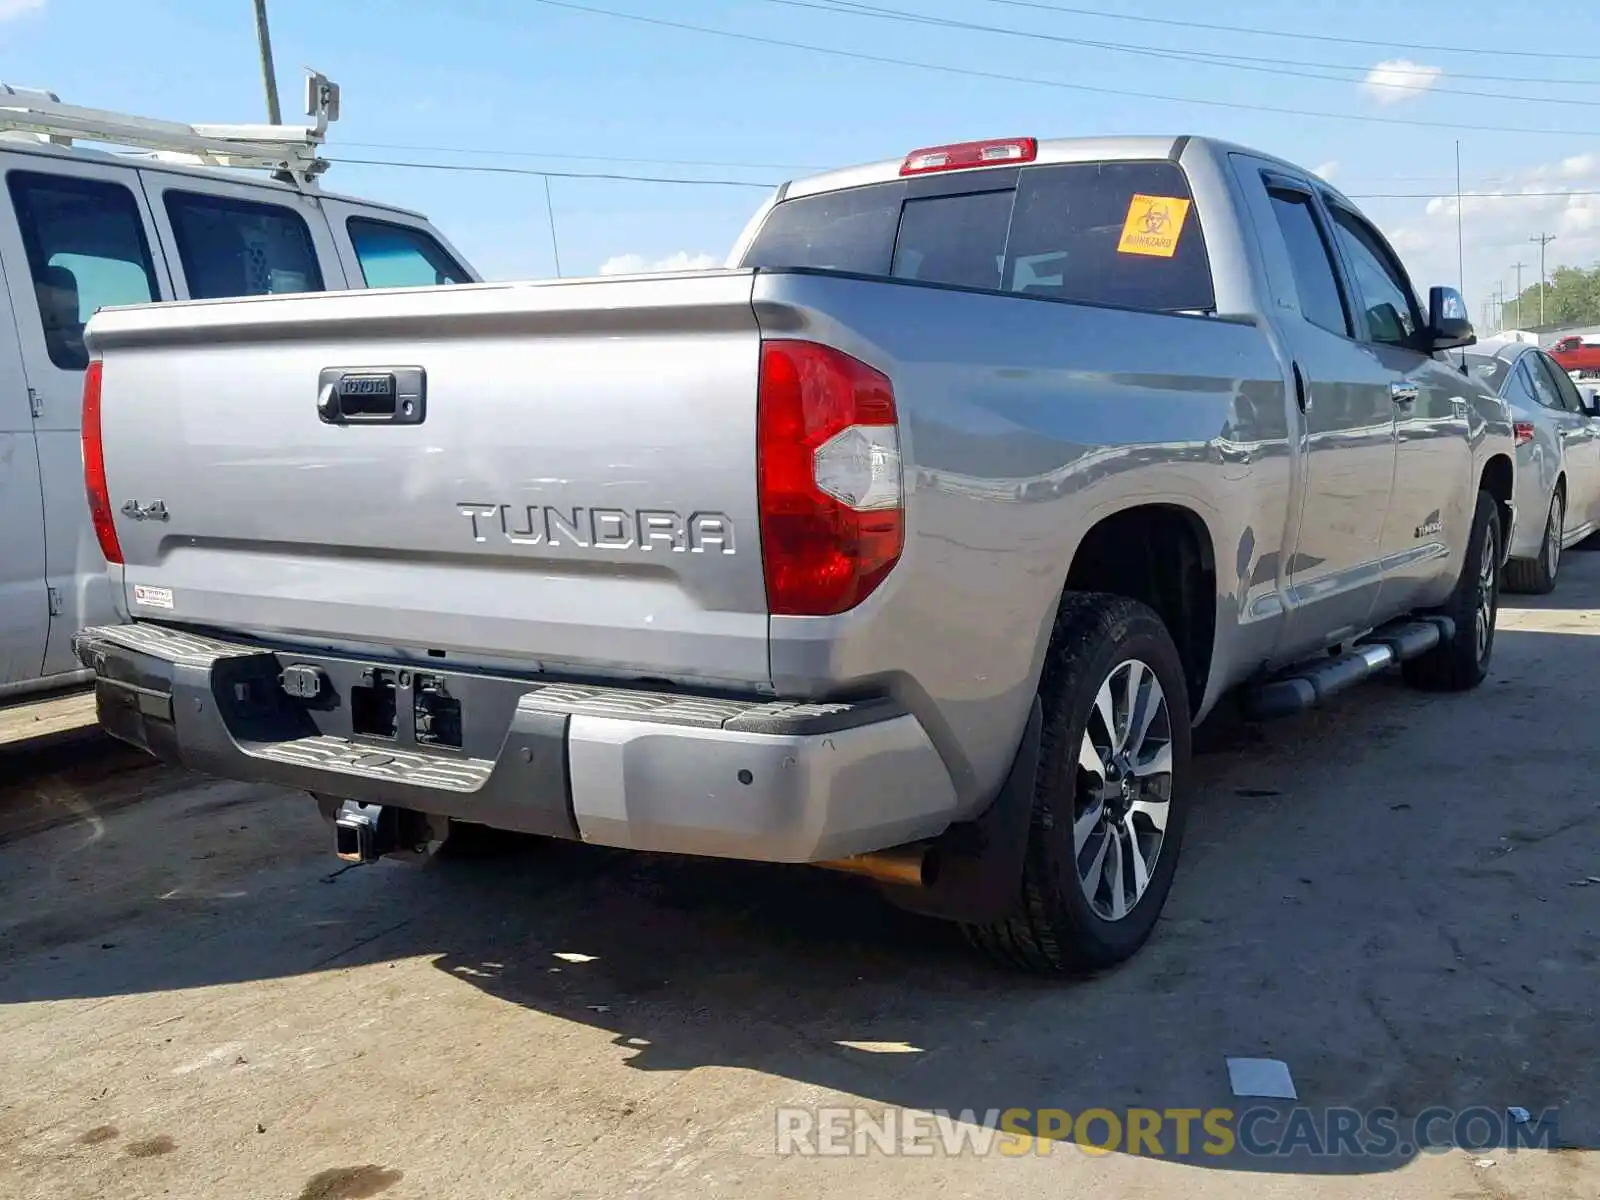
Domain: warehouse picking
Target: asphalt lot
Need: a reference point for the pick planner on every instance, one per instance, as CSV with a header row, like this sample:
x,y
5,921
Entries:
x,y
1393,896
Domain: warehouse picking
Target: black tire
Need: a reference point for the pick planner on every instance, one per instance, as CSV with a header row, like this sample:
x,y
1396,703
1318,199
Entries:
x,y
1053,926
1537,576
1460,664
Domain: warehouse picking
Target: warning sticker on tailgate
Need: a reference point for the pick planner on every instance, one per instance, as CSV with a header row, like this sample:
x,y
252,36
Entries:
x,y
1153,225
152,597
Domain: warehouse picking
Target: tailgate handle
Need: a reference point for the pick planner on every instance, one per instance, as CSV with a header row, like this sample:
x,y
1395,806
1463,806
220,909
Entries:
x,y
372,395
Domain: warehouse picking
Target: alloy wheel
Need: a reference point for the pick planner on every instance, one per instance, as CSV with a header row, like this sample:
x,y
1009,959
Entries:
x,y
1552,536
1124,790
1488,576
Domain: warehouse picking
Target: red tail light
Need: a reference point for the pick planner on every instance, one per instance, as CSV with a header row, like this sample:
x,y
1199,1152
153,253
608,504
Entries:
x,y
94,468
996,152
1522,432
828,477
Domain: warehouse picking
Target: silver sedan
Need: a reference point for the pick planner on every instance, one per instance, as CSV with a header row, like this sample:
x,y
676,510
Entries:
x,y
1558,457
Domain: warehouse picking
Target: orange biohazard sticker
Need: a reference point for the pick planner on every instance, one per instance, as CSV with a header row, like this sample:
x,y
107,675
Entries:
x,y
1153,225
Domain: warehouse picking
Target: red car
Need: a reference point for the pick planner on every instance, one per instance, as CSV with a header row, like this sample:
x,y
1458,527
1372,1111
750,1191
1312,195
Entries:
x,y
1581,354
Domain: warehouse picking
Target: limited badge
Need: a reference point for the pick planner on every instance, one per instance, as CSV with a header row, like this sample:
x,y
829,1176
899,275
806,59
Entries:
x,y
1153,226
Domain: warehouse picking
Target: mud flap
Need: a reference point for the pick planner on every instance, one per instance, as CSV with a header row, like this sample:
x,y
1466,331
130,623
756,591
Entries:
x,y
976,866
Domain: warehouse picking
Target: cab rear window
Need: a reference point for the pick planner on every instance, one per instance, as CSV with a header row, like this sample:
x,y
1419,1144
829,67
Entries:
x,y
1118,233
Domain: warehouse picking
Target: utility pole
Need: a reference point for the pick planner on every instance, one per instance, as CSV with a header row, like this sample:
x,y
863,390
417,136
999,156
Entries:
x,y
1461,245
1518,268
1544,239
269,77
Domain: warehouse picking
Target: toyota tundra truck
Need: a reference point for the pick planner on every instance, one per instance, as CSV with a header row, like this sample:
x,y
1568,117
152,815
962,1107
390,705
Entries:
x,y
912,543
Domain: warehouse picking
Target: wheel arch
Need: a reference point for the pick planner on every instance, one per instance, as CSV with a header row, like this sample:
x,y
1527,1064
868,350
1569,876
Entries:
x,y
1499,478
1162,554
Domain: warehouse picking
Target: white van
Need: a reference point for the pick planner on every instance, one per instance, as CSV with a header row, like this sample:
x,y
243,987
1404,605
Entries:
x,y
81,229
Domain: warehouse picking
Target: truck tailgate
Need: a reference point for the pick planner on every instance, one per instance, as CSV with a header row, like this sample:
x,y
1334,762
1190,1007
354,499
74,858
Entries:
x,y
574,486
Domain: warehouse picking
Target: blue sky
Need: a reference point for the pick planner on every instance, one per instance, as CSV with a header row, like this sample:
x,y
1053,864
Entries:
x,y
519,77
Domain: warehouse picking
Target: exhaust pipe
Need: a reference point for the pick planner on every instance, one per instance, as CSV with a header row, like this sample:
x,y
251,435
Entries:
x,y
908,866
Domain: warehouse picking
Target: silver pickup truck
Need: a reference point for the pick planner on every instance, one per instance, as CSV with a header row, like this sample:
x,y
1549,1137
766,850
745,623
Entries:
x,y
912,544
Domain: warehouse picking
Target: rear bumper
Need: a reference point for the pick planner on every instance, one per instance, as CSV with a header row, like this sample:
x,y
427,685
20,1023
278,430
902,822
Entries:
x,y
648,770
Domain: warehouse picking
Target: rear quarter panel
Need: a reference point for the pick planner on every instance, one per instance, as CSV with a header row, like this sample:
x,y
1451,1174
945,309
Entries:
x,y
1024,423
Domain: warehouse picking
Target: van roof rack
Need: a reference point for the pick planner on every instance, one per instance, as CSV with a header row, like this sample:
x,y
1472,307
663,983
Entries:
x,y
290,151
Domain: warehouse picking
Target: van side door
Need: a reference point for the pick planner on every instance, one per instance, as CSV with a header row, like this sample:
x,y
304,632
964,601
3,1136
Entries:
x,y
24,598
226,239
382,249
78,237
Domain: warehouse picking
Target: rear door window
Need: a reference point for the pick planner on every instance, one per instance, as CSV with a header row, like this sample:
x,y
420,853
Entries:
x,y
399,256
1542,386
232,247
86,250
1316,280
1120,233
1565,388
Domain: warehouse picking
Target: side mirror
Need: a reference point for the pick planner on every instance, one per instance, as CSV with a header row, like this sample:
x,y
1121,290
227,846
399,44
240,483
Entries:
x,y
1448,327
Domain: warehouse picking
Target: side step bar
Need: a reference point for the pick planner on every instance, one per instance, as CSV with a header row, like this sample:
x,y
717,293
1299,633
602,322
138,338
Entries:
x,y
1310,683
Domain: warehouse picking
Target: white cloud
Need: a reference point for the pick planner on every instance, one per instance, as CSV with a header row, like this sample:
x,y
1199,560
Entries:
x,y
638,264
1327,171
1397,79
1497,224
1580,166
15,8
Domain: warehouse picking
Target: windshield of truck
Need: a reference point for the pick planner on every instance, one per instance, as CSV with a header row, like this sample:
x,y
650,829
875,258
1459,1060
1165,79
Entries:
x,y
1119,233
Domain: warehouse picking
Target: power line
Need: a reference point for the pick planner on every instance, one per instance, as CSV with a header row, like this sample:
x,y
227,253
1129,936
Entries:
x,y
1258,31
1201,58
613,158
614,176
1006,77
1466,195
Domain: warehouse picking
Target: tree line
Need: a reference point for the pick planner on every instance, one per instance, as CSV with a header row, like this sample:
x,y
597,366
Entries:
x,y
1571,297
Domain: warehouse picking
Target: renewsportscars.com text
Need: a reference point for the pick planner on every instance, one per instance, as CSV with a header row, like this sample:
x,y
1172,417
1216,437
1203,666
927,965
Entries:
x,y
1259,1132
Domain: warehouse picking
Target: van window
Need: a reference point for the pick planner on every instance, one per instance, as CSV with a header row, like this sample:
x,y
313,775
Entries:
x,y
86,250
400,256
1122,233
240,247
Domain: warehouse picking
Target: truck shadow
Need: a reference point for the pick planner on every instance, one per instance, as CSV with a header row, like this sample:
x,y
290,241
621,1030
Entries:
x,y
1384,894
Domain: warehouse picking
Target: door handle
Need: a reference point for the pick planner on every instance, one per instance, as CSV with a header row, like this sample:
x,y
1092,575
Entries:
x,y
1403,393
1302,397
372,395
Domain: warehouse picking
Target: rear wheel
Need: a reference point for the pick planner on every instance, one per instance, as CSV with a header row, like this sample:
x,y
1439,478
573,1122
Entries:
x,y
1461,662
1110,796
1537,576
